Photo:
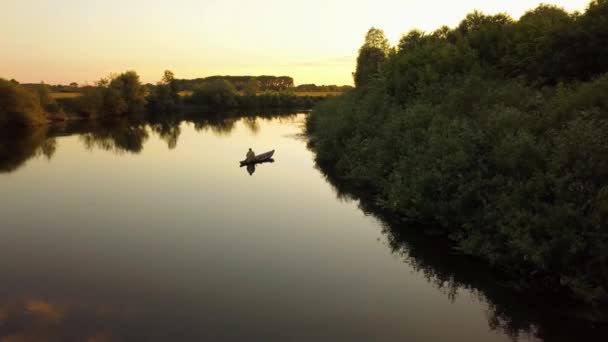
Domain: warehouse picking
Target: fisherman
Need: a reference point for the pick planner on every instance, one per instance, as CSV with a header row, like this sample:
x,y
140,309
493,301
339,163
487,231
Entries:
x,y
250,155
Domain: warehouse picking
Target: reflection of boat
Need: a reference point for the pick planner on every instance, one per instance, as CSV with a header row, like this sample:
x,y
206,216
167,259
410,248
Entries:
x,y
260,158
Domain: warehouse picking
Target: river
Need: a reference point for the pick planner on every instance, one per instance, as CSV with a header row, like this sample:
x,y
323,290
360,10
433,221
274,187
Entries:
x,y
132,232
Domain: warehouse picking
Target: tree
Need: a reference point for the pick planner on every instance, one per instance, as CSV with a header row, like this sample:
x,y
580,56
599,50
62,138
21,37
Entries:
x,y
252,87
218,93
168,77
19,105
115,95
371,55
129,88
164,97
375,38
74,85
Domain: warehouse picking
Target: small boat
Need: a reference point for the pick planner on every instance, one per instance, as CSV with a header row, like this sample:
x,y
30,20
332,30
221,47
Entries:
x,y
260,158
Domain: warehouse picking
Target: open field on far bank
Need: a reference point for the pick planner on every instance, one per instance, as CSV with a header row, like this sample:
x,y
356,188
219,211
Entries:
x,y
60,95
318,93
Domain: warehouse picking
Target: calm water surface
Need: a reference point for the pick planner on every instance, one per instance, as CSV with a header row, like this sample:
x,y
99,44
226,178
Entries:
x,y
154,233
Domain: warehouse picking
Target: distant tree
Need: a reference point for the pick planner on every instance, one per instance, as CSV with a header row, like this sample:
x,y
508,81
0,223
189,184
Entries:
x,y
253,87
90,103
14,81
74,85
19,105
164,97
129,88
371,55
168,77
215,94
375,38
115,95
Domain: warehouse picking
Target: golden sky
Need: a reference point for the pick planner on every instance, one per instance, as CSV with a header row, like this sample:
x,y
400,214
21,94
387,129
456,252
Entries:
x,y
314,41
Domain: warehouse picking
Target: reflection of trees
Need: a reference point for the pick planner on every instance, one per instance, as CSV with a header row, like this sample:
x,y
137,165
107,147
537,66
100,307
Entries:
x,y
31,319
219,126
223,123
19,145
167,130
540,315
252,124
120,136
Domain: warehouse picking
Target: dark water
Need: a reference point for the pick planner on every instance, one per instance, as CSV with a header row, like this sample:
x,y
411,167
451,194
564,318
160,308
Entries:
x,y
130,232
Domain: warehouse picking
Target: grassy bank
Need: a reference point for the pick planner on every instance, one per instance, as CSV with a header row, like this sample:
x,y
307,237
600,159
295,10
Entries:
x,y
493,132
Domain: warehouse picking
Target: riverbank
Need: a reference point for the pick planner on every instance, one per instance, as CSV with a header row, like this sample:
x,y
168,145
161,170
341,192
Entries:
x,y
507,161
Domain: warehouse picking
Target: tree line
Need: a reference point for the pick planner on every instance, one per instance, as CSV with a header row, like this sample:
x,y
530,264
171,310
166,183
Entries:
x,y
240,83
494,132
124,95
313,88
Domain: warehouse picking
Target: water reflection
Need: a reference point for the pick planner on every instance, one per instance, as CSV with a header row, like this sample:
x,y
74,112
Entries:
x,y
144,267
34,319
168,130
518,315
19,145
222,124
252,167
120,136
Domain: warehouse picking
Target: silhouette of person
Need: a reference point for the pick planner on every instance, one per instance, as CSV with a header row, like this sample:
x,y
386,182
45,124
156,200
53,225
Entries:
x,y
250,155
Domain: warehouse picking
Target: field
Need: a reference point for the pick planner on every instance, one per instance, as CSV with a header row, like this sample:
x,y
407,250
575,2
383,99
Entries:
x,y
65,95
318,93
58,95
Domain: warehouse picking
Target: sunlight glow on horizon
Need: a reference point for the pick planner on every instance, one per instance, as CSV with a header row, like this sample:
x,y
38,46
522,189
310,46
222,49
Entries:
x,y
65,41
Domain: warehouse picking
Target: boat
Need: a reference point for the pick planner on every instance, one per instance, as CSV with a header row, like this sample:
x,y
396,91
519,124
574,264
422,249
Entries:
x,y
260,158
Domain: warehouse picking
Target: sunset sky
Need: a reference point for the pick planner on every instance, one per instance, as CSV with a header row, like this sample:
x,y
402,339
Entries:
x,y
314,41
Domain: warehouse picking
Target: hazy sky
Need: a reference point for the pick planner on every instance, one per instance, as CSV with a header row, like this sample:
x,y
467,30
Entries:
x,y
314,41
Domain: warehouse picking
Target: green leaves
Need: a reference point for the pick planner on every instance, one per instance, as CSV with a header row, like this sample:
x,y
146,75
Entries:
x,y
515,174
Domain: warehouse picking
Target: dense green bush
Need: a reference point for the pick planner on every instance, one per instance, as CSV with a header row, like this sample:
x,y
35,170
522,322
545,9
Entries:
x,y
487,132
118,95
221,94
164,98
218,94
19,106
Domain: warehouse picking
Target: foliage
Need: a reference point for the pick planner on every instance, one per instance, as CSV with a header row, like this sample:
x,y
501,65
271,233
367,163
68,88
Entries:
x,y
164,97
118,95
220,94
20,106
252,87
371,55
495,132
215,94
240,83
313,88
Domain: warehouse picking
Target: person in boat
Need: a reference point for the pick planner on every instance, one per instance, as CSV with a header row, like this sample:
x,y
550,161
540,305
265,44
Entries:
x,y
250,155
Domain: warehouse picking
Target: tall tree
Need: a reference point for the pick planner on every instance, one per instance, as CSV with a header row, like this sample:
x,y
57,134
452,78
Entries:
x,y
371,55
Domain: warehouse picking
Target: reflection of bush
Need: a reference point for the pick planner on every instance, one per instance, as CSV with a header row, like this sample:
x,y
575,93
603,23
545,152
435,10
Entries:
x,y
19,145
121,136
510,309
